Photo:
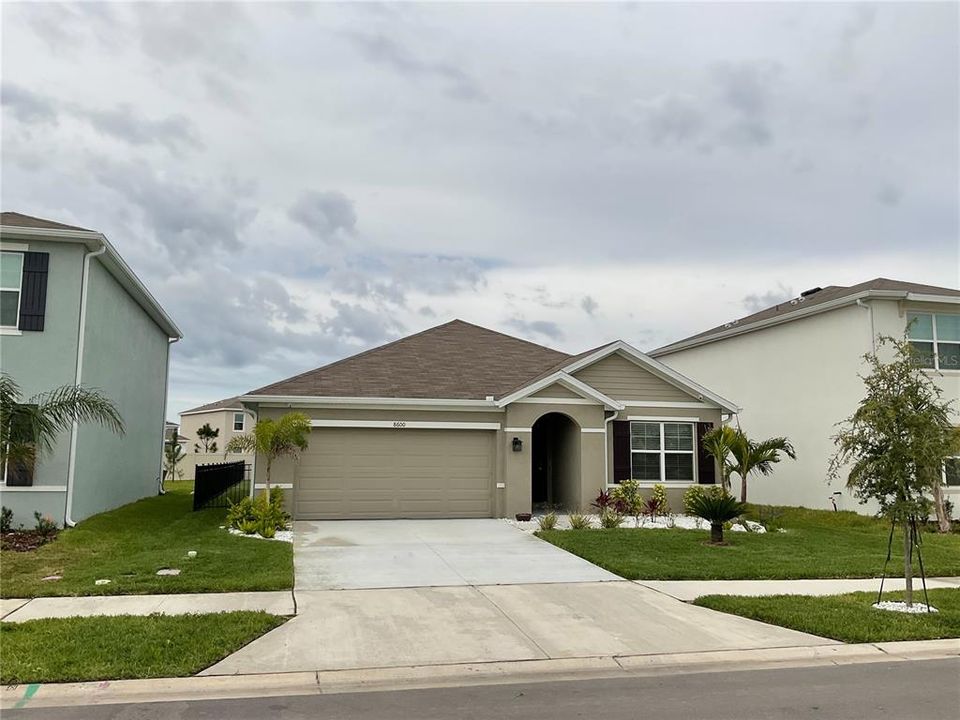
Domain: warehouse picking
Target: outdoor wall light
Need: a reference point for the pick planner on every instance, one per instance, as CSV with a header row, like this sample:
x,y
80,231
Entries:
x,y
517,444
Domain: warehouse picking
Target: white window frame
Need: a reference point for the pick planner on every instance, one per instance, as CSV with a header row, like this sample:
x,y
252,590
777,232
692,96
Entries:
x,y
243,422
933,340
663,452
19,289
949,488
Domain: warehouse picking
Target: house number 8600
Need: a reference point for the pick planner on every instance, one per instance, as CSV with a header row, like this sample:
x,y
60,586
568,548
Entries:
x,y
399,424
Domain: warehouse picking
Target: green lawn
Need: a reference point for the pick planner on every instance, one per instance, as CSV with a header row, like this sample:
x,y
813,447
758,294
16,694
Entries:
x,y
128,545
815,544
848,617
123,647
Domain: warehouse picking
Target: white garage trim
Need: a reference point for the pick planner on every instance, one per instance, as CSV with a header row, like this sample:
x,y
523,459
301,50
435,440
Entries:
x,y
405,424
662,404
593,430
663,419
282,486
518,429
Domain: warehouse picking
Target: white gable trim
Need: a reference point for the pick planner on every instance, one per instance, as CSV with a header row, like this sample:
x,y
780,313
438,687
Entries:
x,y
665,373
567,381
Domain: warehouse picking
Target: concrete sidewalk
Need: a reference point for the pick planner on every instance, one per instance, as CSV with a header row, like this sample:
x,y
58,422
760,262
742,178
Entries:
x,y
276,603
690,590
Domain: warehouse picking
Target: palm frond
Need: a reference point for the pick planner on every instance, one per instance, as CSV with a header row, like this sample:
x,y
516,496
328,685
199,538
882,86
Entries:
x,y
74,403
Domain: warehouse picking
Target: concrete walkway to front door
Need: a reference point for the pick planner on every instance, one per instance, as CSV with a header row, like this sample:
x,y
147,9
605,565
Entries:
x,y
361,554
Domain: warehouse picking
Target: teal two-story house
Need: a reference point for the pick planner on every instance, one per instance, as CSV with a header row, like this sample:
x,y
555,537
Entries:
x,y
72,312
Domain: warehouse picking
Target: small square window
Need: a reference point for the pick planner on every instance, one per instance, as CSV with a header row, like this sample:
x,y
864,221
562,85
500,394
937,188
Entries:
x,y
238,422
919,326
923,353
644,436
645,466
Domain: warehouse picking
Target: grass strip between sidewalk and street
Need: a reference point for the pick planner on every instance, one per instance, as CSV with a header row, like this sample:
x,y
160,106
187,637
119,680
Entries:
x,y
812,544
851,617
128,545
125,646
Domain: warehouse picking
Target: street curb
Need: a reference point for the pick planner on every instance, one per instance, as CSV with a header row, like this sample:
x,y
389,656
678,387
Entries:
x,y
221,687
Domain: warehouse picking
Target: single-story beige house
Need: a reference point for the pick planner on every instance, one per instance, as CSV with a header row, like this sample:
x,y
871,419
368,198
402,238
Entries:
x,y
461,421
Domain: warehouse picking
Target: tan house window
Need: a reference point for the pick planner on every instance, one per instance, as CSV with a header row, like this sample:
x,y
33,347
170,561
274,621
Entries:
x,y
238,422
11,277
661,451
951,472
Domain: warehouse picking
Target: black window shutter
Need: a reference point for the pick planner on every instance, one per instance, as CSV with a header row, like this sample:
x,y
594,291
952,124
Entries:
x,y
621,450
706,465
33,291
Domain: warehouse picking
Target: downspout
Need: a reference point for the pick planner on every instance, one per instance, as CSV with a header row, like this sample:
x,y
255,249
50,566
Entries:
x,y
72,466
163,433
873,335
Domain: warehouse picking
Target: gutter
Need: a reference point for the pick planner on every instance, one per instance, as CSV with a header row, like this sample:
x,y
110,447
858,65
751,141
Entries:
x,y
163,433
873,333
74,430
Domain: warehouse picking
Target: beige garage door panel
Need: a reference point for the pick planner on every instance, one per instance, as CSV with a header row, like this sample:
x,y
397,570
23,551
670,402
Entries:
x,y
384,473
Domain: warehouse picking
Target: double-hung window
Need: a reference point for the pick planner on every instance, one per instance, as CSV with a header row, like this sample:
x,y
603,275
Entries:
x,y
936,339
238,422
662,451
11,278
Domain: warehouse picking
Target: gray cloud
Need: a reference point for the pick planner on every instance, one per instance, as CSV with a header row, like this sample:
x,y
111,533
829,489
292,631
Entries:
x,y
191,218
889,194
747,88
355,321
325,214
27,106
533,328
383,50
755,302
675,118
589,305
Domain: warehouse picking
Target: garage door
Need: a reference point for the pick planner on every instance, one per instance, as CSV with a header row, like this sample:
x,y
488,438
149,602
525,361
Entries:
x,y
387,473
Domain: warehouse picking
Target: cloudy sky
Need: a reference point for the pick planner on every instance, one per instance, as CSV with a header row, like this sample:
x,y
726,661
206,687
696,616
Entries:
x,y
299,182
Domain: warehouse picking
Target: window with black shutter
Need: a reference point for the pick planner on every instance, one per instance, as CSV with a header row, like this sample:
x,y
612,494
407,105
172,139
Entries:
x,y
706,466
33,291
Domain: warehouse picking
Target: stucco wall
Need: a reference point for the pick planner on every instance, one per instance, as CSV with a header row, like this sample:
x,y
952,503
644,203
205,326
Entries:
x,y
125,356
797,379
41,361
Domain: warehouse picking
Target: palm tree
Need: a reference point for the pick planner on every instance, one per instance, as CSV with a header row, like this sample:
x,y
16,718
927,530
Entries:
x,y
172,455
718,443
285,437
29,428
751,456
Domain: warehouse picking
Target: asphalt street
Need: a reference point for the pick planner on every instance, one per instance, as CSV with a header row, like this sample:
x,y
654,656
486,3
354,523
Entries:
x,y
902,690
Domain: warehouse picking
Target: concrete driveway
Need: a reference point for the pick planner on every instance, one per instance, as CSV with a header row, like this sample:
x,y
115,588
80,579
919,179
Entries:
x,y
359,554
349,629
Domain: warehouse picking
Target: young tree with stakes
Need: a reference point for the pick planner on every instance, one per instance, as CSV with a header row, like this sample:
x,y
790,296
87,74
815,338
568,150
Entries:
x,y
895,444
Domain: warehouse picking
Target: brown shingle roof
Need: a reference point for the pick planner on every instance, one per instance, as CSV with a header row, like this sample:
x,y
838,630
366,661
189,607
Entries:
x,y
455,360
832,292
15,219
233,402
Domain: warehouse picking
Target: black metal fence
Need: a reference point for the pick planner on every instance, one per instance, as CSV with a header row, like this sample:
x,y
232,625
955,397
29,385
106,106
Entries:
x,y
219,485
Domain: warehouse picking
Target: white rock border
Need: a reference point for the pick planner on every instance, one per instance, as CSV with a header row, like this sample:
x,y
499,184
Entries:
x,y
282,535
901,607
660,522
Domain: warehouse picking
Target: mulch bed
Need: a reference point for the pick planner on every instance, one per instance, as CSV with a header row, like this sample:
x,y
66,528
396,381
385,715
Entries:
x,y
24,540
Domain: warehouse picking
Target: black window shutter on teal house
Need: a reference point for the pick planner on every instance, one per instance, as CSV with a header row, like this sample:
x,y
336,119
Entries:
x,y
621,450
33,291
707,474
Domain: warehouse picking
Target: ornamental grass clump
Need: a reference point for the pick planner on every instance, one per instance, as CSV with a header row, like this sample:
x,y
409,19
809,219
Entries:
x,y
548,521
579,521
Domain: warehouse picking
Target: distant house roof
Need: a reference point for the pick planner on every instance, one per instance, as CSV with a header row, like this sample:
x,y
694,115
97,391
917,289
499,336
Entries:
x,y
232,403
17,226
15,219
460,361
822,299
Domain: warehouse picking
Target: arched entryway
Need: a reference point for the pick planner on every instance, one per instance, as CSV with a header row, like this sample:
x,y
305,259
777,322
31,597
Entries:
x,y
555,458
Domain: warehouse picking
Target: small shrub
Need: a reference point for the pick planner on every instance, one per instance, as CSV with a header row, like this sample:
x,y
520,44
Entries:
x,y
239,513
627,499
659,496
717,508
603,500
610,518
6,520
45,526
579,521
548,521
249,527
267,530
